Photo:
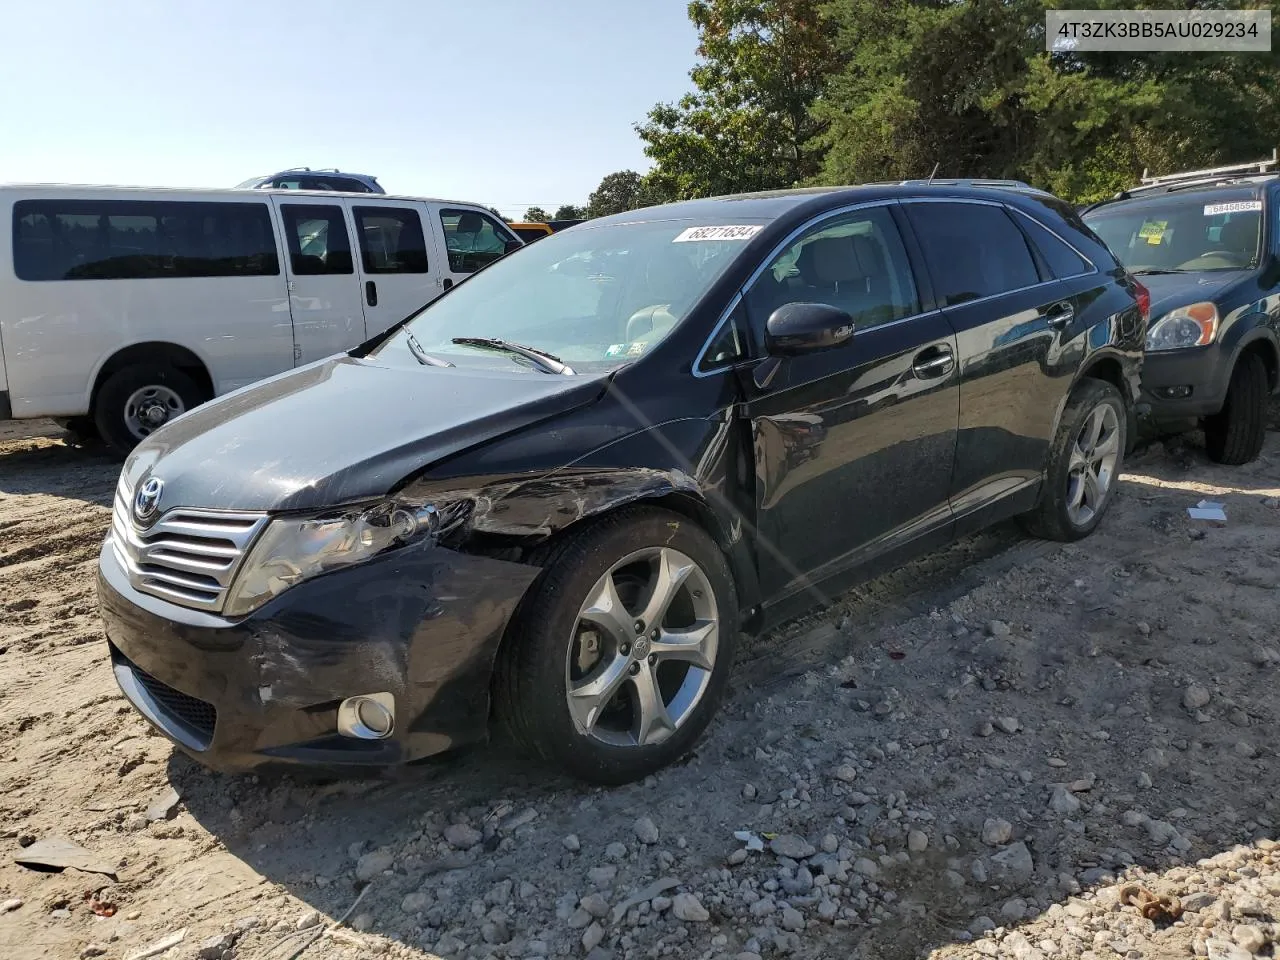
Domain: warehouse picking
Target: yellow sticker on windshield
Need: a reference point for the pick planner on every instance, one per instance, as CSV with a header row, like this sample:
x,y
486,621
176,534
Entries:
x,y
637,348
1153,231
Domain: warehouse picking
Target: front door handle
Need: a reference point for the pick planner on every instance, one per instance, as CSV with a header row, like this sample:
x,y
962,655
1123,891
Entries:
x,y
1059,315
371,293
934,362
446,283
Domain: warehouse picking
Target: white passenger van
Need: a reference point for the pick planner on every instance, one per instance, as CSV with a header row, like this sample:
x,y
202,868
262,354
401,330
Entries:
x,y
120,308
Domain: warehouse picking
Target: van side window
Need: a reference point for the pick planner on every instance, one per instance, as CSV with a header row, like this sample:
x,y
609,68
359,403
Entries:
x,y
974,250
391,240
1063,261
473,239
318,241
137,239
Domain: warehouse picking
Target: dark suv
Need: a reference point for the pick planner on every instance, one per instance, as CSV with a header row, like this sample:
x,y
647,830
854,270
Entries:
x,y
304,178
565,486
1206,244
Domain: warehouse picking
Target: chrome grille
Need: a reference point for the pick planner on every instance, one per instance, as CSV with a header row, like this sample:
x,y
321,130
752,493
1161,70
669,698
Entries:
x,y
188,557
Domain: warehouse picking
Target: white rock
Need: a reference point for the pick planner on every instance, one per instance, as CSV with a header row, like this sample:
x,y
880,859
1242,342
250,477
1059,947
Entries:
x,y
1195,697
595,904
308,920
830,843
1249,937
917,841
1013,910
1144,781
462,837
792,919
996,831
415,902
592,936
372,864
1226,950
1008,724
998,628
646,831
687,907
866,867
10,905
845,773
572,843
1063,801
1014,862
793,847
616,851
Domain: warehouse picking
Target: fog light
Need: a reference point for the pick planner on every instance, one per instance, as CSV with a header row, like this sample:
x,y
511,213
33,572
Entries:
x,y
371,716
1175,393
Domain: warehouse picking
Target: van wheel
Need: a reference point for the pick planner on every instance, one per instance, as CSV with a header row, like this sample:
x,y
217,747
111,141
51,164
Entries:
x,y
138,400
1235,434
621,653
1084,464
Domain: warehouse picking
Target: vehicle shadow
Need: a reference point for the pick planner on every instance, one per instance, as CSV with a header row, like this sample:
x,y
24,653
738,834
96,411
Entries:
x,y
47,460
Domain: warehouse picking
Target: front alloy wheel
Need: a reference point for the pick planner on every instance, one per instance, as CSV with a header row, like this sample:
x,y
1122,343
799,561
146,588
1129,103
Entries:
x,y
618,657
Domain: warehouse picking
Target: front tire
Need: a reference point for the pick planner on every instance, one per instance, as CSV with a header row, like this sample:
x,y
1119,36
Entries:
x,y
620,655
1235,434
138,400
1085,462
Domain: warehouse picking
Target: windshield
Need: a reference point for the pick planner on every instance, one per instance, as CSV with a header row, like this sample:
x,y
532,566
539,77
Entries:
x,y
1192,232
595,297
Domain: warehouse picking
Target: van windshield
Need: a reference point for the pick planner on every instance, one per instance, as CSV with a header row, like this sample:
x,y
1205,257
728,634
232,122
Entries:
x,y
1221,230
594,296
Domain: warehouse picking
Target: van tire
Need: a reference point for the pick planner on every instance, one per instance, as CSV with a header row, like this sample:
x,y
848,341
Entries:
x,y
1235,434
120,389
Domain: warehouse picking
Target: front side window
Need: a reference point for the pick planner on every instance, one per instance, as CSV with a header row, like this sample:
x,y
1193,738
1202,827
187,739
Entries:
x,y
1217,230
317,237
139,240
473,239
391,240
974,250
855,262
597,297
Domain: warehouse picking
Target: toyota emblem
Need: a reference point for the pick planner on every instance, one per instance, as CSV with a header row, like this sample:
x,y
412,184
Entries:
x,y
146,503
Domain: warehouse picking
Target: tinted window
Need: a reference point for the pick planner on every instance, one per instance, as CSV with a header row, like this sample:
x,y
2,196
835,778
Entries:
x,y
473,239
855,262
128,240
1062,260
317,237
1218,230
974,250
391,240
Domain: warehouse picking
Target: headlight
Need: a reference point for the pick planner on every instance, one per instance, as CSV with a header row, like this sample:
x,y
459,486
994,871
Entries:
x,y
293,549
1193,326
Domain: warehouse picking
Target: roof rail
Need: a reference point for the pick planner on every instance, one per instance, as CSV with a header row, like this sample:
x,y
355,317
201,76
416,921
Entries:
x,y
1255,167
968,182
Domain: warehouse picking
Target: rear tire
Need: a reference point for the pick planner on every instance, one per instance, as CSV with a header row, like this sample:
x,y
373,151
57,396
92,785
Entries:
x,y
1235,434
134,402
609,736
1085,463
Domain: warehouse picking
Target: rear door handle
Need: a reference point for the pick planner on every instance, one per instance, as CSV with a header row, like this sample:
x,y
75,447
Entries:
x,y
933,362
1059,315
371,293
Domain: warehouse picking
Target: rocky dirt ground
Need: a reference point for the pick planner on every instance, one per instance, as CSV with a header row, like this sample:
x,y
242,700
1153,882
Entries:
x,y
972,757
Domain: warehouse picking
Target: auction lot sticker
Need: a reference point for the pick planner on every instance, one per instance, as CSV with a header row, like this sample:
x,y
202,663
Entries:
x,y
745,232
1240,206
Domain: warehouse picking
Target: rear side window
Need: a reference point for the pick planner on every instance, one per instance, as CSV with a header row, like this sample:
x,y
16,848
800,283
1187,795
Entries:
x,y
1063,261
317,238
974,250
140,239
391,240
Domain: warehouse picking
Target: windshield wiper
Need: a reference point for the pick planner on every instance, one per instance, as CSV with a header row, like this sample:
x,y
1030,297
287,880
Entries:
x,y
546,362
1157,271
424,358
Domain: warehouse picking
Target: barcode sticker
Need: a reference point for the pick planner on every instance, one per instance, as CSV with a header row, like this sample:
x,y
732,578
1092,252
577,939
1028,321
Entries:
x,y
744,232
1240,206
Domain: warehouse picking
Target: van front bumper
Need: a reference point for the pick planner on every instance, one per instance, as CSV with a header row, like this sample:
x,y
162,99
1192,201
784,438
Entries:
x,y
423,624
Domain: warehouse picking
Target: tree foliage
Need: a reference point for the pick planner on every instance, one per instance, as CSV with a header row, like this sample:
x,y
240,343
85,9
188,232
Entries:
x,y
567,211
617,193
747,125
536,215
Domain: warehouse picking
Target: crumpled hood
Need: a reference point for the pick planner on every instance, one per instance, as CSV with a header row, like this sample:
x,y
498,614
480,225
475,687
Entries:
x,y
1172,290
340,430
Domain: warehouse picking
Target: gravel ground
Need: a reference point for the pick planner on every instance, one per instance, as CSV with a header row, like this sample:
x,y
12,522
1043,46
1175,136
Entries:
x,y
976,756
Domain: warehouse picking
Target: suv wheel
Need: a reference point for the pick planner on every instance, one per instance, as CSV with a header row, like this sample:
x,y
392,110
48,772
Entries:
x,y
621,653
1236,433
138,400
1084,464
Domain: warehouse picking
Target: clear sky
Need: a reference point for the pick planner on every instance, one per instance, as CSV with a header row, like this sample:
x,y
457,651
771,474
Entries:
x,y
510,103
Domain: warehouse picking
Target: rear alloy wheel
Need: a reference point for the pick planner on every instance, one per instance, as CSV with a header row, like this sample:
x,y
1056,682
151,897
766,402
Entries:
x,y
1235,434
621,653
1084,464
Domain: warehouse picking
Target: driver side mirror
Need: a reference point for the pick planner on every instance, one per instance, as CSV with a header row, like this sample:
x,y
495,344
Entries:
x,y
512,246
799,328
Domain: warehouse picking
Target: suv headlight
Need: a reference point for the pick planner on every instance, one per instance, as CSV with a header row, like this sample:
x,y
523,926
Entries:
x,y
294,549
1191,326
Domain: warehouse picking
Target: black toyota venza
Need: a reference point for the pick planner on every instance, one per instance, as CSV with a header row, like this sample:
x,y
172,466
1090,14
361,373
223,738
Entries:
x,y
560,492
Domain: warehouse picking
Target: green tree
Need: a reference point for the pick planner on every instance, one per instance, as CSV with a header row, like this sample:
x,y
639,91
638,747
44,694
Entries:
x,y
568,211
536,215
968,85
617,193
748,124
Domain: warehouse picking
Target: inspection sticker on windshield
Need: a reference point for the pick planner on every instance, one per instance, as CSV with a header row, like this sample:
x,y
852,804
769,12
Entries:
x,y
745,232
1240,206
1153,231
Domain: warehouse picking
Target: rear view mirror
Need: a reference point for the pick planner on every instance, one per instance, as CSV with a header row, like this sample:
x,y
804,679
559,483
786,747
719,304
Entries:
x,y
799,328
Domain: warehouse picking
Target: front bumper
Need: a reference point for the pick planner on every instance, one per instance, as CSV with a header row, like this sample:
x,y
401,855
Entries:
x,y
1204,371
422,623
